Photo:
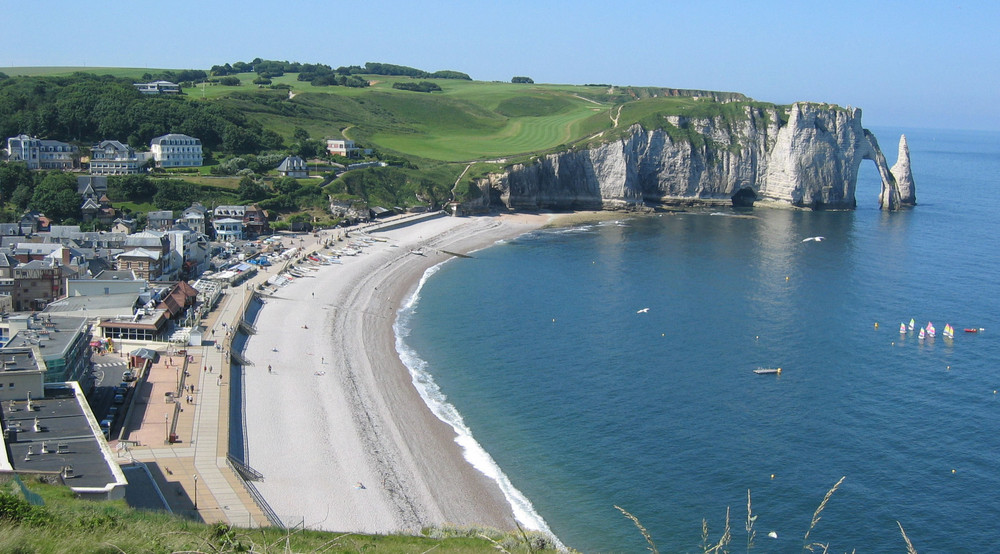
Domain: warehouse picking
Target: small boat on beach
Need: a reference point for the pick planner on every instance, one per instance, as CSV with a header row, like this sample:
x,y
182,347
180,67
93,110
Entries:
x,y
768,371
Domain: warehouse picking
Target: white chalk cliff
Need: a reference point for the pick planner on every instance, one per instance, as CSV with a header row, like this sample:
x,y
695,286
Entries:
x,y
806,156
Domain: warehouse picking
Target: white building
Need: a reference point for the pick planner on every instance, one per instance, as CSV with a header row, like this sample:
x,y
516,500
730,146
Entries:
x,y
176,150
41,154
189,251
194,217
111,157
341,147
158,87
228,229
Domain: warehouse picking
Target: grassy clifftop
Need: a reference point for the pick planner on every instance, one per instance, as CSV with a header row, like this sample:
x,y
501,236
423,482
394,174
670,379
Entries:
x,y
66,524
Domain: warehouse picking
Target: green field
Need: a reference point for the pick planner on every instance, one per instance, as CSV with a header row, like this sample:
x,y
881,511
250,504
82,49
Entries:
x,y
432,137
466,121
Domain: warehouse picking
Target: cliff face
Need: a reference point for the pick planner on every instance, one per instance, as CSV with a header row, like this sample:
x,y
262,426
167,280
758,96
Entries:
x,y
810,161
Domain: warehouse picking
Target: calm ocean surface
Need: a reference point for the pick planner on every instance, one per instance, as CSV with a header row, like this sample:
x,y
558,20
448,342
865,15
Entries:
x,y
585,404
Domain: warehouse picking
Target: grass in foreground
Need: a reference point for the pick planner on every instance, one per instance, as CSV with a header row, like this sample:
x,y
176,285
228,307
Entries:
x,y
67,524
709,546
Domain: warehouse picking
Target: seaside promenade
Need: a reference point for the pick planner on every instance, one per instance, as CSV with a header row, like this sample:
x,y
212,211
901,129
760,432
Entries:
x,y
191,471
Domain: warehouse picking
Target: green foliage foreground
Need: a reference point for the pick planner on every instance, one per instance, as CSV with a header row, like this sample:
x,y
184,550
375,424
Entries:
x,y
67,524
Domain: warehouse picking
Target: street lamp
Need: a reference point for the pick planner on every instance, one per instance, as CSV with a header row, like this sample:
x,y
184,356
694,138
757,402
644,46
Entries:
x,y
196,491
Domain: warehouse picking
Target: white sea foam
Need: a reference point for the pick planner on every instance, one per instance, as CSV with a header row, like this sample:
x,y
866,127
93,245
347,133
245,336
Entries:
x,y
437,401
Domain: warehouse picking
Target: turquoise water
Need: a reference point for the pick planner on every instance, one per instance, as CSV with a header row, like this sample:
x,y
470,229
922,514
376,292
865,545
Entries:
x,y
586,404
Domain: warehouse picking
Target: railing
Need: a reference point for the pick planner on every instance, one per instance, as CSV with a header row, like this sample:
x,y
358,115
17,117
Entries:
x,y
258,499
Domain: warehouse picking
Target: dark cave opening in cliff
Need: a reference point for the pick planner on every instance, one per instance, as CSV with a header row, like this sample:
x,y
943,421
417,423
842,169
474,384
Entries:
x,y
744,198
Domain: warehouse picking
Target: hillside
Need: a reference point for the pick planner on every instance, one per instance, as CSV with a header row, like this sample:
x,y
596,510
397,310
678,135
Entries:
x,y
482,125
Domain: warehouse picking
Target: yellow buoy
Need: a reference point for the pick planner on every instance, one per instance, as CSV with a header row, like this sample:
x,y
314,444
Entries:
x,y
553,320
772,476
786,277
876,325
953,471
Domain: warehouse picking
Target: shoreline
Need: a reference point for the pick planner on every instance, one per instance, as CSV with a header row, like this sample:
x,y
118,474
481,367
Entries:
x,y
345,440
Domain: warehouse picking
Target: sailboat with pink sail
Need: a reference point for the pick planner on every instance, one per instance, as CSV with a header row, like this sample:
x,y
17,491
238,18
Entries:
x,y
930,329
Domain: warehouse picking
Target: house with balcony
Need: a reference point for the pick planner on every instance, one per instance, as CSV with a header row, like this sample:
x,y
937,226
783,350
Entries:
x,y
228,228
111,157
342,147
176,150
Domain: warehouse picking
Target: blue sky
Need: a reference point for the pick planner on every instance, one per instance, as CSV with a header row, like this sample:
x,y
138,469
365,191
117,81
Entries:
x,y
910,64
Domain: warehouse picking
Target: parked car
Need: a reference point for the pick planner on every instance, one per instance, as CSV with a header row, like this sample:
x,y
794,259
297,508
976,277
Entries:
x,y
128,376
112,412
119,398
106,427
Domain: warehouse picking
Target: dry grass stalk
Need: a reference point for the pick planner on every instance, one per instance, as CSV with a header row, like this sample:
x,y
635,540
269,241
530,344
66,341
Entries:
x,y
704,534
724,540
909,545
635,520
751,533
816,515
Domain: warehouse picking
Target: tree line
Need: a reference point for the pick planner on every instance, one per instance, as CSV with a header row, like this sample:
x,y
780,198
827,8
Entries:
x,y
87,108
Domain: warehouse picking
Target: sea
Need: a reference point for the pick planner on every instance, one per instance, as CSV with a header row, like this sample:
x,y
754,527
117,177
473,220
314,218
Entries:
x,y
610,365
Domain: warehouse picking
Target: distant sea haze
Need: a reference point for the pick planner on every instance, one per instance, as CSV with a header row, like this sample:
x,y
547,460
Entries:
x,y
585,403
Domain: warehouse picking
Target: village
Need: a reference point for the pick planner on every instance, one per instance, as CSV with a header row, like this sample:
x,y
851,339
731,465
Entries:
x,y
108,335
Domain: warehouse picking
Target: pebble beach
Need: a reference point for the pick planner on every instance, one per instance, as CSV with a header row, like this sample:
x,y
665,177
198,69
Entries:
x,y
333,420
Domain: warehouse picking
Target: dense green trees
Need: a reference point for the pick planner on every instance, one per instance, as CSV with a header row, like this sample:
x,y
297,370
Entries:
x,y
12,177
88,108
175,194
422,86
56,196
131,188
527,80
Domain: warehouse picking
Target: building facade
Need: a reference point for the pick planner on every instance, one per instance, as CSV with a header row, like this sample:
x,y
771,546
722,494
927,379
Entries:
x,y
176,150
37,283
342,147
158,87
42,154
111,157
145,264
293,166
228,229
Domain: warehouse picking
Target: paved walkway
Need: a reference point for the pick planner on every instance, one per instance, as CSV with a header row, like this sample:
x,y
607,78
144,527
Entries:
x,y
191,471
